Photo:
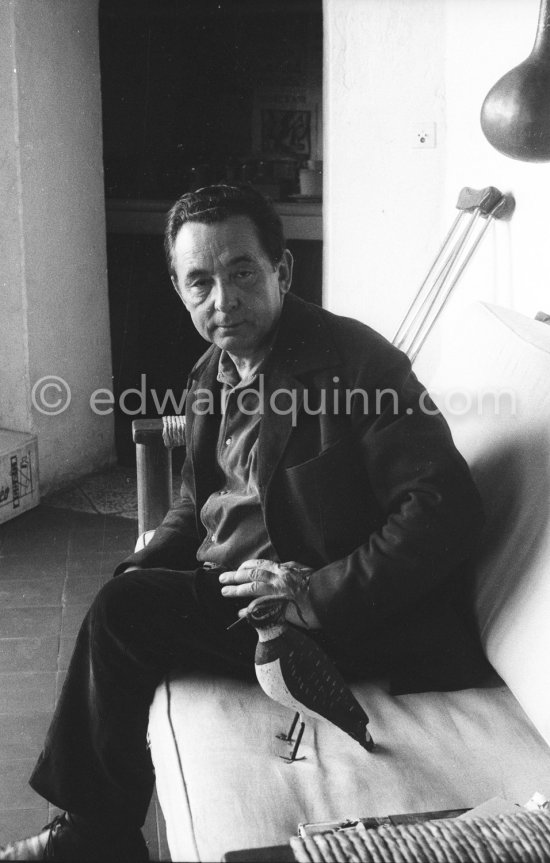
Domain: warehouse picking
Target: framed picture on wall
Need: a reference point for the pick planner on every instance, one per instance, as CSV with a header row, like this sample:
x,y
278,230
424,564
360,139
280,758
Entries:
x,y
286,131
287,121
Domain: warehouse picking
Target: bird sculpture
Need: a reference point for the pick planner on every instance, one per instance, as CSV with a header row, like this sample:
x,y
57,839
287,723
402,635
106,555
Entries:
x,y
294,671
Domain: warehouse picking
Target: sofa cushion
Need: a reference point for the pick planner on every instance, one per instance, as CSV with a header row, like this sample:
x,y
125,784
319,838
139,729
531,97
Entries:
x,y
493,385
222,785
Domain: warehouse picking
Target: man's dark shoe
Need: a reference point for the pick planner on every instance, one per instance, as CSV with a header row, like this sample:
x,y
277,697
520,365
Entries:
x,y
63,840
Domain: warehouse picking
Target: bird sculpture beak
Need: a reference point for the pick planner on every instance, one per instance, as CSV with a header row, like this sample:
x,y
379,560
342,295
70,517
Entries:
x,y
235,622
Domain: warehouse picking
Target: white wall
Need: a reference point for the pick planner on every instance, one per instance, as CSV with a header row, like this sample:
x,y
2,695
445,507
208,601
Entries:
x,y
53,274
388,65
15,409
384,73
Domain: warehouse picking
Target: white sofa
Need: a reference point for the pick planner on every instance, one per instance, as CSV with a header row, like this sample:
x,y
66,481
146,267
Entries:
x,y
220,781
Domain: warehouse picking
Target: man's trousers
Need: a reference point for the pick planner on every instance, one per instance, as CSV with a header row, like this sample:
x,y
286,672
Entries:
x,y
142,624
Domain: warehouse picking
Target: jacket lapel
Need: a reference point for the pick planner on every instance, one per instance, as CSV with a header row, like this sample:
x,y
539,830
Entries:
x,y
203,413
277,424
303,344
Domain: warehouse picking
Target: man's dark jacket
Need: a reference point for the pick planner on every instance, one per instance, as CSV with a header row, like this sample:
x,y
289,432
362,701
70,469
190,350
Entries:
x,y
359,479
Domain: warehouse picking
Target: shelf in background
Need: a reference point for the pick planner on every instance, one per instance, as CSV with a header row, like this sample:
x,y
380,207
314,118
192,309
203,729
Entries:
x,y
302,220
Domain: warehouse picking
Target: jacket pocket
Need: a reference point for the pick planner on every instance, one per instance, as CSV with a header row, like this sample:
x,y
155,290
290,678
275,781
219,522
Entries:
x,y
333,493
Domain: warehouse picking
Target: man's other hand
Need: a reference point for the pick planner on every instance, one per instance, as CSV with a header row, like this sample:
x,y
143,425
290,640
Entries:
x,y
259,577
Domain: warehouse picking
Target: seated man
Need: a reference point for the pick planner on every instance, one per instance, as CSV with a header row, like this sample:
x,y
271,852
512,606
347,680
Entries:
x,y
316,466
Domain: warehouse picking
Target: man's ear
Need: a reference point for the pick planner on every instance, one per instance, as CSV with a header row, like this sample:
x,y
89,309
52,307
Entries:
x,y
285,267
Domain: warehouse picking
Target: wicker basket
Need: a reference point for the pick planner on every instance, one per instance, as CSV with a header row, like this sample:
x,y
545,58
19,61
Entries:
x,y
522,836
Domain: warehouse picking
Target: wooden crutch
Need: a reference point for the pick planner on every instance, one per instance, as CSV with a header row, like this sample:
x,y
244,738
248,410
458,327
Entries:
x,y
457,249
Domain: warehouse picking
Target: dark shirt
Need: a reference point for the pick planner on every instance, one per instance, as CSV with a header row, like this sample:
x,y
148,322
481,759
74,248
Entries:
x,y
233,515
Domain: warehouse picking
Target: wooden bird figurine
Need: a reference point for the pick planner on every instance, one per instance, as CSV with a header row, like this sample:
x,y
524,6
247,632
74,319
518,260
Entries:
x,y
293,670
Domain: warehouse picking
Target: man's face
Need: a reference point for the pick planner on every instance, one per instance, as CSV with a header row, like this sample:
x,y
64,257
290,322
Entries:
x,y
231,289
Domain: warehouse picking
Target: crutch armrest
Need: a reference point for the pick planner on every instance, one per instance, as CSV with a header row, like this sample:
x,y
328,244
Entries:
x,y
486,199
504,208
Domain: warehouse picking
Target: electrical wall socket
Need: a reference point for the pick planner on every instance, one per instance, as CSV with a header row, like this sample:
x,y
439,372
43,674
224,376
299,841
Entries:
x,y
423,136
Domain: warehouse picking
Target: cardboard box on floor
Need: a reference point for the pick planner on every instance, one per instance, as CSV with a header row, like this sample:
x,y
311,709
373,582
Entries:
x,y
19,489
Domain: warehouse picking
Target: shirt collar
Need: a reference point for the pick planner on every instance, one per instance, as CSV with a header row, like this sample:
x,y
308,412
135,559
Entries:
x,y
228,374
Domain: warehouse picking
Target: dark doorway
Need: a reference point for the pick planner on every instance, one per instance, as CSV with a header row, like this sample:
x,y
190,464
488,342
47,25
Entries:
x,y
198,91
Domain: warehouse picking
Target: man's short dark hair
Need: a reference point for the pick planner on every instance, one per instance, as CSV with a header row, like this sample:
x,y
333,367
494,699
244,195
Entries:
x,y
216,204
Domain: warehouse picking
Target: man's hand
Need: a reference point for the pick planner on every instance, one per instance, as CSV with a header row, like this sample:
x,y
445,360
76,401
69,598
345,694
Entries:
x,y
258,577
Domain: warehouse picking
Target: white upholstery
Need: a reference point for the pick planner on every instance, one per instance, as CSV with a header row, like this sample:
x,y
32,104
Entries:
x,y
222,785
220,781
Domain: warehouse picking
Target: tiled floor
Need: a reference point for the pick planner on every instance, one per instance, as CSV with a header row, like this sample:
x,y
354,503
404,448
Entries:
x,y
108,492
52,561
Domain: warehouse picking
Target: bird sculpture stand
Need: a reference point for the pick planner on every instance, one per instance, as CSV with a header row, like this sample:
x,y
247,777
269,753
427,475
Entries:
x,y
288,738
294,671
